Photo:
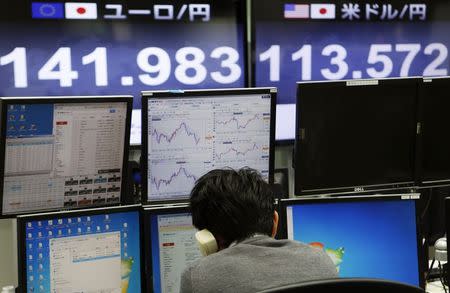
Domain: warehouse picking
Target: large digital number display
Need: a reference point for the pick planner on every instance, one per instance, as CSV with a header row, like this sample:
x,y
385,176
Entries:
x,y
97,48
303,40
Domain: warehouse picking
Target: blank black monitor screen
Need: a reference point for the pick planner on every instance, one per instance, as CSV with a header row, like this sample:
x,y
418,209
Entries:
x,y
190,133
171,247
355,133
335,40
63,153
88,251
435,126
374,237
120,47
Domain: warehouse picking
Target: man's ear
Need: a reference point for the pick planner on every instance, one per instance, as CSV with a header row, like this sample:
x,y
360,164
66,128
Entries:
x,y
221,243
275,223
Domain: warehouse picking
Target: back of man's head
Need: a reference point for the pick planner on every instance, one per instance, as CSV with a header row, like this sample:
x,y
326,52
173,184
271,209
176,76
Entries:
x,y
233,205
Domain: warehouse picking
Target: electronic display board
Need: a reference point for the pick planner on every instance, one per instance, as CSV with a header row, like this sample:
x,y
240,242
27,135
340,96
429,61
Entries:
x,y
120,47
334,40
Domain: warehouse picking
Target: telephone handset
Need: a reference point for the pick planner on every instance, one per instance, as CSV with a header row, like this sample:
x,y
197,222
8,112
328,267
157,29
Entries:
x,y
206,242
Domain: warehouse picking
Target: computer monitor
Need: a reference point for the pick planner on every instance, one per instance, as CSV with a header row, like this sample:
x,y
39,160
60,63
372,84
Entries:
x,y
334,40
62,152
170,246
434,102
371,237
95,250
122,47
355,135
188,133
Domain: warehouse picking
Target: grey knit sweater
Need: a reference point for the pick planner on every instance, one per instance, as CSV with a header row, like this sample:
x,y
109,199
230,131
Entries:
x,y
255,264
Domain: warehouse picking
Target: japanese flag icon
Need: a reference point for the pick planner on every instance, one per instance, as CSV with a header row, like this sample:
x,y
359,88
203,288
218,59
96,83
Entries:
x,y
81,10
323,11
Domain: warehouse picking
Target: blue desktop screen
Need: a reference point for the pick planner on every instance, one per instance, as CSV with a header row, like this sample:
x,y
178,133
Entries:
x,y
83,253
373,239
27,120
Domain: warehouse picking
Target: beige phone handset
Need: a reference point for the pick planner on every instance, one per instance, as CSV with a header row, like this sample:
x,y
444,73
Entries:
x,y
206,242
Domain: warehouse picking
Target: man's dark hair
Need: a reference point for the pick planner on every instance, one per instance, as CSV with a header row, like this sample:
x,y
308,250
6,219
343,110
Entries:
x,y
234,204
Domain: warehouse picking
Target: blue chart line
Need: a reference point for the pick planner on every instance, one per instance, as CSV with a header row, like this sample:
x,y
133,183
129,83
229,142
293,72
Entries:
x,y
237,152
239,126
166,182
168,138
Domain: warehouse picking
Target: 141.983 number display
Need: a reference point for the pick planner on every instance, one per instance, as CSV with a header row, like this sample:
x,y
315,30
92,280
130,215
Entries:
x,y
155,64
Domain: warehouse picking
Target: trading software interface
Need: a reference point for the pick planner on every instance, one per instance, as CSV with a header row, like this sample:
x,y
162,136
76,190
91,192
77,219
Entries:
x,y
187,137
375,239
173,248
97,253
63,155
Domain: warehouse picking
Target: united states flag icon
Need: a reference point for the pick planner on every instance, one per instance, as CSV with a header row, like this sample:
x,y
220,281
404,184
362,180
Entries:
x,y
296,11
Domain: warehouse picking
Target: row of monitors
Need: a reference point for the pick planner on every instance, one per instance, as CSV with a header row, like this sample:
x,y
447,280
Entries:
x,y
108,50
105,250
71,152
371,134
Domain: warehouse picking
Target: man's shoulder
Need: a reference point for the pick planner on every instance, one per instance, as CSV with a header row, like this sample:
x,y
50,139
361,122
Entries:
x,y
264,260
263,249
276,244
286,247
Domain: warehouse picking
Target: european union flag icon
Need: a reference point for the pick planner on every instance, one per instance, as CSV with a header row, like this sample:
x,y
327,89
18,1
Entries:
x,y
47,10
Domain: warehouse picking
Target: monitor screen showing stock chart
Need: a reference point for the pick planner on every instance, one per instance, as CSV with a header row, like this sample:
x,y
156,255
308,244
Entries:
x,y
120,47
333,40
190,133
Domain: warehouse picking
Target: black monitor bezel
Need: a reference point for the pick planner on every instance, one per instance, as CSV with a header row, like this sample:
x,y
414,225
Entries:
x,y
149,211
356,188
423,85
21,239
284,203
447,229
214,93
5,101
